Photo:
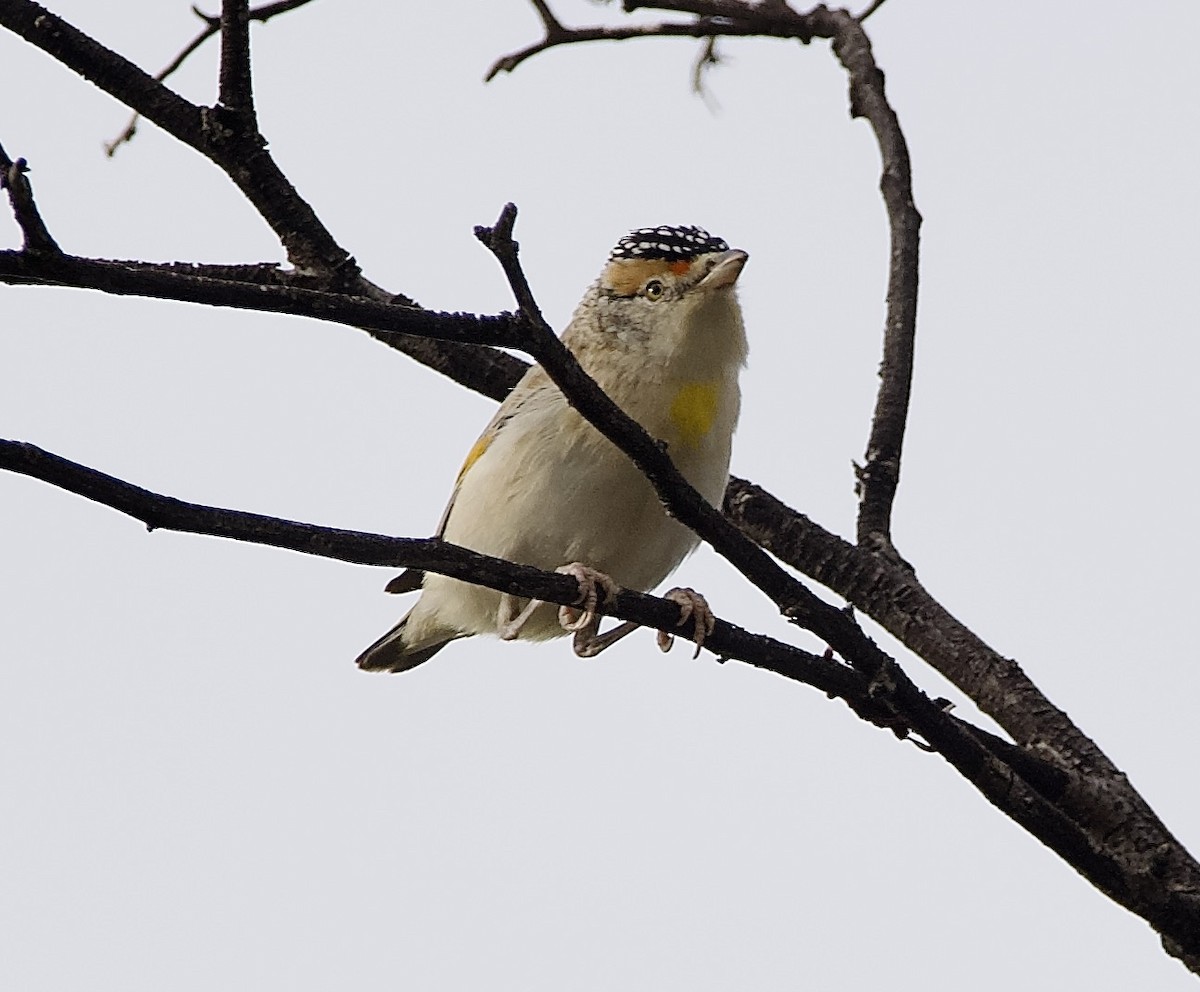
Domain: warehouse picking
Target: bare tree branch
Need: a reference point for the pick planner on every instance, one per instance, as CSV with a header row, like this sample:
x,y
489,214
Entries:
x,y
879,475
1118,867
211,27
875,5
235,82
1054,781
448,343
243,156
240,152
985,761
175,282
37,237
891,595
574,36
432,554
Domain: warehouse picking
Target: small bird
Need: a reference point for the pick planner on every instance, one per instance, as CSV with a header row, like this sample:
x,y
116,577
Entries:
x,y
661,332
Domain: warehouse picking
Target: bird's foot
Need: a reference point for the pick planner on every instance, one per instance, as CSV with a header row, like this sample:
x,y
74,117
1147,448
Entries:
x,y
692,606
591,583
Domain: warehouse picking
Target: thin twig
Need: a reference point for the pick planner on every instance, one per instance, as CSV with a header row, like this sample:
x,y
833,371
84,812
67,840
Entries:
x,y
702,28
708,58
875,5
879,476
36,235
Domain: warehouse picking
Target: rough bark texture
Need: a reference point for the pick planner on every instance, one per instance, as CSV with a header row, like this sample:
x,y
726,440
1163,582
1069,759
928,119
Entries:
x,y
1050,778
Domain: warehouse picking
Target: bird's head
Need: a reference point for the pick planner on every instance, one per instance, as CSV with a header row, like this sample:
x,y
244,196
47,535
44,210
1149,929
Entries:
x,y
661,265
665,290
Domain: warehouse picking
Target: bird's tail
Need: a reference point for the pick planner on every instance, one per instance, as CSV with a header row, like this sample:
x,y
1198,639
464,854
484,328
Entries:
x,y
393,652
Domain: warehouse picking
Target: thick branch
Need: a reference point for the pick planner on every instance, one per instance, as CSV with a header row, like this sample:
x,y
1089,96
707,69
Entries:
x,y
980,757
997,781
449,343
1099,797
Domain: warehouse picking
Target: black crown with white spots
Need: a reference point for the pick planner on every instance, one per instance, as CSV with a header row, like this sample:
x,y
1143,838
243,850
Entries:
x,y
667,242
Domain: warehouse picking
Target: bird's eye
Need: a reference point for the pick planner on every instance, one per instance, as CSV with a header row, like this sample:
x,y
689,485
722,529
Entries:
x,y
653,290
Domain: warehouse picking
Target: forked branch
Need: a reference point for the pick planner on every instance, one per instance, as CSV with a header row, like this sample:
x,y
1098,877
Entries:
x,y
212,25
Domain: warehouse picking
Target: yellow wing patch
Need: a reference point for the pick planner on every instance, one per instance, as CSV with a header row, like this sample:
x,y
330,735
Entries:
x,y
476,452
693,411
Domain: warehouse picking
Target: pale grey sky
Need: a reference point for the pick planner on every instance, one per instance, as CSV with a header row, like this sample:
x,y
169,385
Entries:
x,y
201,791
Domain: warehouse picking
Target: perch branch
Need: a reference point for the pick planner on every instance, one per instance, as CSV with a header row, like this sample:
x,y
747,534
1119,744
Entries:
x,y
432,554
980,757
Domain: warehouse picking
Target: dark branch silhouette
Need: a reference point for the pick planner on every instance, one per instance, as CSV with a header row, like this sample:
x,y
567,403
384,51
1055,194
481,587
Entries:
x,y
1051,779
211,26
37,237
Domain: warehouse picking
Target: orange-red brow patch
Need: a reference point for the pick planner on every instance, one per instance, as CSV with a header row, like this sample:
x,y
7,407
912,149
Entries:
x,y
625,276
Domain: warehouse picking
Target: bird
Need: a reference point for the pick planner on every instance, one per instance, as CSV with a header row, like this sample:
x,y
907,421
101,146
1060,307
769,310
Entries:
x,y
661,332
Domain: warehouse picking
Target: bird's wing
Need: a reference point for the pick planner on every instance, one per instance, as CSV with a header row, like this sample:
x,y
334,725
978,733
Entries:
x,y
530,385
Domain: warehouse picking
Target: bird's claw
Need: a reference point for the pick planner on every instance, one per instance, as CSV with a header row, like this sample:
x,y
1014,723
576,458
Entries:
x,y
591,582
691,604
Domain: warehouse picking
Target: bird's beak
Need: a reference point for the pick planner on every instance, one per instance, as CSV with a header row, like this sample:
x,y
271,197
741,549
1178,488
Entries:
x,y
726,267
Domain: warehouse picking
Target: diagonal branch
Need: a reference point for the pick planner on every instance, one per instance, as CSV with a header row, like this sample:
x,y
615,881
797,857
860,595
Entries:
x,y
242,154
682,501
1114,854
211,26
37,238
983,759
1100,798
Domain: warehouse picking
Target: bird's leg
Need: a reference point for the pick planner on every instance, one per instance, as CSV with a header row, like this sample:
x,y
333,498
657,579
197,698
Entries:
x,y
578,621
585,623
591,582
691,604
508,621
589,642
